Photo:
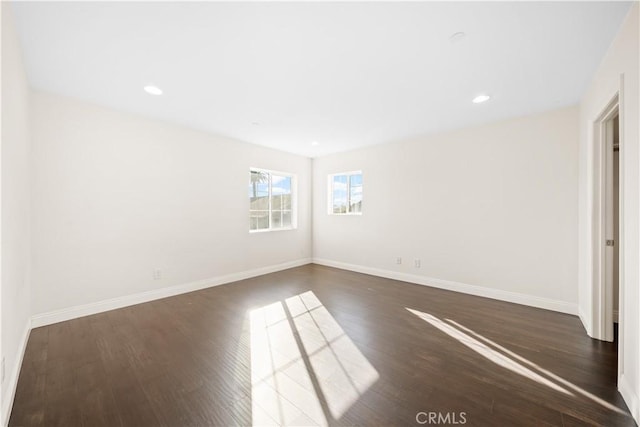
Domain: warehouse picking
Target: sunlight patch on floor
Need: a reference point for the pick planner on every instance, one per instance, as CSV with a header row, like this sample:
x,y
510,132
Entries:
x,y
488,352
304,369
342,372
545,371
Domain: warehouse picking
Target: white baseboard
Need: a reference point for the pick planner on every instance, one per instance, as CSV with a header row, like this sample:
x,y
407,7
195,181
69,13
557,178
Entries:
x,y
630,397
69,313
518,298
7,401
585,323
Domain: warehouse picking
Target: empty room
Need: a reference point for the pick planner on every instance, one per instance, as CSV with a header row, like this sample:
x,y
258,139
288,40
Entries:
x,y
320,213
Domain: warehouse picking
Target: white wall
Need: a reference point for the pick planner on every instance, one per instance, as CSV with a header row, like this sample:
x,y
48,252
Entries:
x,y
116,196
16,295
621,59
492,206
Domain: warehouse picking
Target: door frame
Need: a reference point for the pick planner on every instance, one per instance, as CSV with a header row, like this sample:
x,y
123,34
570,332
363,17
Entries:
x,y
602,224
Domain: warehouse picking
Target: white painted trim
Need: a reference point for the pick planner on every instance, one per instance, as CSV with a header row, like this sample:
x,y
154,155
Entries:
x,y
586,324
7,401
630,398
481,291
602,221
69,313
601,258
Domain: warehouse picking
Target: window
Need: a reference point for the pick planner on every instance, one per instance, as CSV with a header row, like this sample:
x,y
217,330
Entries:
x,y
345,193
271,205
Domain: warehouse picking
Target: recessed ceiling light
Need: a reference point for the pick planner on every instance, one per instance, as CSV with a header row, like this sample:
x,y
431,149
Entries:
x,y
153,90
480,99
315,143
457,37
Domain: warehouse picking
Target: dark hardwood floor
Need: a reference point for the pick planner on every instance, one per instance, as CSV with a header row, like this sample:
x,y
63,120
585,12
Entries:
x,y
315,345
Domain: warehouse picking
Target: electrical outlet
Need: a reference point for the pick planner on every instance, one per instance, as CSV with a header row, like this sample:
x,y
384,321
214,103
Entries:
x,y
2,373
399,260
157,274
416,263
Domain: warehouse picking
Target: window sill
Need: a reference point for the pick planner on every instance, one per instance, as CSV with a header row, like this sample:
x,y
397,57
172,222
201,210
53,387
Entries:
x,y
268,230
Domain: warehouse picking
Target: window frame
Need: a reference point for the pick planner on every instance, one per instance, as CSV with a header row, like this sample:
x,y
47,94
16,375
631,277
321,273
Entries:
x,y
294,204
330,180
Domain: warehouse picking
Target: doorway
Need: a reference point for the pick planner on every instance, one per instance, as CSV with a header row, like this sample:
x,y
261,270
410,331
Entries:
x,y
607,234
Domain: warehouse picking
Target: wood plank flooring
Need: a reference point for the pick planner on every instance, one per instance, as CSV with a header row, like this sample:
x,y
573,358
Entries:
x,y
319,346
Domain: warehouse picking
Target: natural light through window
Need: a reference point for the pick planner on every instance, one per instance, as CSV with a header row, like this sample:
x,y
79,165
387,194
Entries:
x,y
550,374
508,359
304,369
486,351
271,200
345,193
343,373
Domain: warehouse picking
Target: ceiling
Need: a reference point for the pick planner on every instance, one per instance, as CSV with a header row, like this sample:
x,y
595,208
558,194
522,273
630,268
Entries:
x,y
343,75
